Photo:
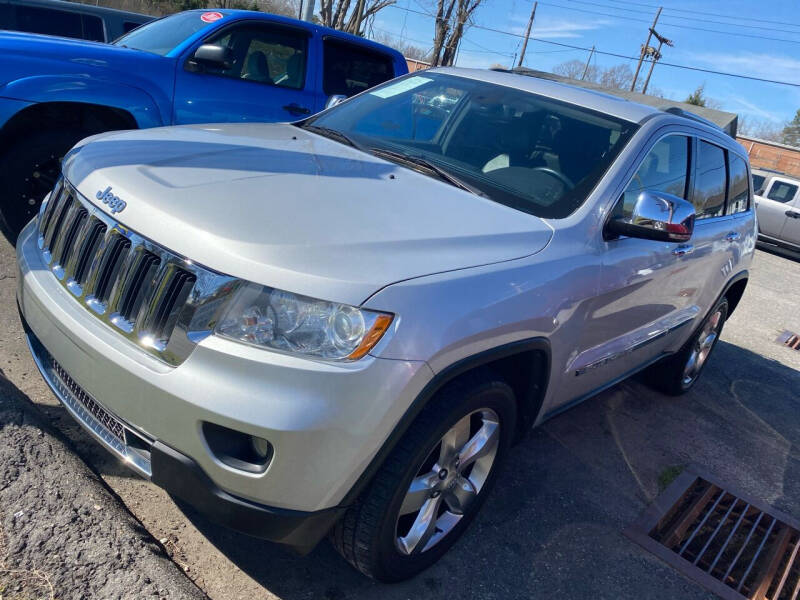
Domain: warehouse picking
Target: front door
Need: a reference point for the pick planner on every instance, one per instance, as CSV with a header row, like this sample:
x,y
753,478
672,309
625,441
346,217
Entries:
x,y
791,227
270,78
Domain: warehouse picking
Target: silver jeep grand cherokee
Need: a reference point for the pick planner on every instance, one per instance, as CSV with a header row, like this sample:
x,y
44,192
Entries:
x,y
341,325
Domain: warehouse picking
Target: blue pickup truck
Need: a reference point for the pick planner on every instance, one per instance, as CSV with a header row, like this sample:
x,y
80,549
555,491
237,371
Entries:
x,y
193,67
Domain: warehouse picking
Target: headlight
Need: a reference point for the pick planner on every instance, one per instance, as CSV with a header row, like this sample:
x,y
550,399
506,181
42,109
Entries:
x,y
280,320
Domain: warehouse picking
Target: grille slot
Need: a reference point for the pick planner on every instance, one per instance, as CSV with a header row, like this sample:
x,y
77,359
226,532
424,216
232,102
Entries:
x,y
135,285
172,296
141,290
110,266
91,243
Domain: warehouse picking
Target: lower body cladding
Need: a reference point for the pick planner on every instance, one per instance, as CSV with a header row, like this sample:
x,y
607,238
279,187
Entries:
x,y
264,443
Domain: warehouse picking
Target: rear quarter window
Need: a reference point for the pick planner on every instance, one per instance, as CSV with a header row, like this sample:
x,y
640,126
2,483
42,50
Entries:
x,y
710,181
739,186
349,69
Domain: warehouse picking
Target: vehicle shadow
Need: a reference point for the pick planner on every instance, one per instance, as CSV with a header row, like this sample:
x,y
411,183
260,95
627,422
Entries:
x,y
779,251
555,518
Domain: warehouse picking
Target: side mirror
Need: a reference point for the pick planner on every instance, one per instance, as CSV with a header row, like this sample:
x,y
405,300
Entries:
x,y
335,99
656,216
212,55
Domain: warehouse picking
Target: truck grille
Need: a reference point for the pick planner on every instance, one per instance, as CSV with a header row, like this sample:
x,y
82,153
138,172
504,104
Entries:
x,y
155,298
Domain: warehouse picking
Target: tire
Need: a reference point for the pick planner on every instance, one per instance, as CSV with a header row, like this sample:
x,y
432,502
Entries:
x,y
28,171
374,537
674,375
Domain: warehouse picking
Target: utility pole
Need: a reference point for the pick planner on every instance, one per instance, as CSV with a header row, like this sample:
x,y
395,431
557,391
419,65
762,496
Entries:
x,y
586,68
656,56
527,35
308,10
644,49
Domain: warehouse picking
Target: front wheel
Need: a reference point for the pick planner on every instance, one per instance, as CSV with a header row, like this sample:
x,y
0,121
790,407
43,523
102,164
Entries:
x,y
432,484
29,170
677,374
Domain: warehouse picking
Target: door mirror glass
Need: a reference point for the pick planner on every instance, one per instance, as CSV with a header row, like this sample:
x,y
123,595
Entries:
x,y
335,99
212,55
656,216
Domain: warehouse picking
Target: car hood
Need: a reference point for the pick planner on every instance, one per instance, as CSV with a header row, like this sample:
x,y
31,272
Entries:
x,y
284,207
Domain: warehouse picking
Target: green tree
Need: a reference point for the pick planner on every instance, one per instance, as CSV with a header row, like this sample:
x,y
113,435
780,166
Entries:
x,y
697,97
791,133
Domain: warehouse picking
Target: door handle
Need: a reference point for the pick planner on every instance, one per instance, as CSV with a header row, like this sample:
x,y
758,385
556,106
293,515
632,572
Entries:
x,y
296,109
793,214
683,250
733,236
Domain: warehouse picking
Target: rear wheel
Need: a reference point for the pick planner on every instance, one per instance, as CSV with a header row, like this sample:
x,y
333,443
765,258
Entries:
x,y
433,483
677,374
29,170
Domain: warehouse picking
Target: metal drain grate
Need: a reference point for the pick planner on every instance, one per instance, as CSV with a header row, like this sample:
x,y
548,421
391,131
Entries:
x,y
723,540
792,340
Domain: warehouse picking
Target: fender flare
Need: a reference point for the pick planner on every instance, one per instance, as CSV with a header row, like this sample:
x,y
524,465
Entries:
x,y
436,383
40,89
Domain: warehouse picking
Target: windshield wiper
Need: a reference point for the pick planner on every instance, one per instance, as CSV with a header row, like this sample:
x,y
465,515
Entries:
x,y
419,161
334,134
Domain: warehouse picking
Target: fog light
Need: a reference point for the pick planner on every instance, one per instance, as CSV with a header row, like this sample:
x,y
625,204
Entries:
x,y
237,449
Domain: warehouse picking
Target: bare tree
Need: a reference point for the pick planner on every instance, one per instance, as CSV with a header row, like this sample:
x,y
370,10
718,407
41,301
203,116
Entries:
x,y
761,128
407,50
453,17
574,70
341,14
618,77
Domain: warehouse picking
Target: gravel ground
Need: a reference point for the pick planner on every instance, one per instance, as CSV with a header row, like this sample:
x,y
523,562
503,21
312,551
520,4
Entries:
x,y
63,533
553,526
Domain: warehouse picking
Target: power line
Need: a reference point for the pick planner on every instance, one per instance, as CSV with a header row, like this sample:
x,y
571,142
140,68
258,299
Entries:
x,y
761,27
680,25
615,54
700,12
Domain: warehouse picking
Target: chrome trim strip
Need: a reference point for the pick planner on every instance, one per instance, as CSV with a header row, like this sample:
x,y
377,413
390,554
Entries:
x,y
128,455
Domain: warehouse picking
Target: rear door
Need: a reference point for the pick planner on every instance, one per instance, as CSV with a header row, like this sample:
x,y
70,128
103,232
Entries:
x,y
774,204
348,68
270,77
791,227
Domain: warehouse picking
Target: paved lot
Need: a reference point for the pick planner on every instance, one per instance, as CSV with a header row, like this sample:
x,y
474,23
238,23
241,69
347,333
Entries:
x,y
553,525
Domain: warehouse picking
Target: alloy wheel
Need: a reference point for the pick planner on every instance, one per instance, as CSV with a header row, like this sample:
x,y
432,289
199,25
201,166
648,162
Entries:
x,y
703,344
448,482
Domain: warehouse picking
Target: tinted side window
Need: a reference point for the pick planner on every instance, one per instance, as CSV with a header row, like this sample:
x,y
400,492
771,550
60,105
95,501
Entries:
x,y
93,28
265,55
349,69
51,22
758,184
664,169
129,26
782,192
710,181
739,186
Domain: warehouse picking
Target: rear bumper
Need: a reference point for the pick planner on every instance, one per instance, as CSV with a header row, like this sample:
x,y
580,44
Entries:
x,y
183,478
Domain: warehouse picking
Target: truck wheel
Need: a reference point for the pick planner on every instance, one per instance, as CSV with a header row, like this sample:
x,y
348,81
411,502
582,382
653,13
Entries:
x,y
28,171
676,374
432,484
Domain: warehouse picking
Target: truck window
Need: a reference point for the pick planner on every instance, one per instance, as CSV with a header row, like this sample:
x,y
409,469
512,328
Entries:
x,y
129,26
710,181
758,183
664,169
48,21
782,191
93,28
739,195
266,55
349,69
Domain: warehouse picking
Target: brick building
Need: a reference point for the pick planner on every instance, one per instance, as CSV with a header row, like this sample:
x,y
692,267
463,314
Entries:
x,y
772,155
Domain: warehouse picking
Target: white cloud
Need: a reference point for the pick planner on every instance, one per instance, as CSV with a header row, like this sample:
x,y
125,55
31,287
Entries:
x,y
756,64
553,29
742,105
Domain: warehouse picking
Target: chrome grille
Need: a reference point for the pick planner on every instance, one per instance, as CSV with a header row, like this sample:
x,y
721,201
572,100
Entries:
x,y
155,298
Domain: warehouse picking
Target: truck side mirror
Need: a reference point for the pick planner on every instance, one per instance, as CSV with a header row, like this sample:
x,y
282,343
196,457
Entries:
x,y
212,55
656,216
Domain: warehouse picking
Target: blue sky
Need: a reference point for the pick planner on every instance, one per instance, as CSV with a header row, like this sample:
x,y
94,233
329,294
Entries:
x,y
621,29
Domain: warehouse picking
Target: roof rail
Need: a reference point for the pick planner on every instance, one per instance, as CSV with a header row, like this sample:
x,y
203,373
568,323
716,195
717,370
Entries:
x,y
677,110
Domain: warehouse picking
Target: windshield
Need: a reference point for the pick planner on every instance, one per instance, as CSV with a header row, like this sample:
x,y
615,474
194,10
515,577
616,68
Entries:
x,y
530,152
161,36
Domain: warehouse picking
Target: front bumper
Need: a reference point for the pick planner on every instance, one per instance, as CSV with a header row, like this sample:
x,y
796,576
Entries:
x,y
325,422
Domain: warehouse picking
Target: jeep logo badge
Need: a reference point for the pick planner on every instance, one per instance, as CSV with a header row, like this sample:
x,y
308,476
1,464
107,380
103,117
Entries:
x,y
115,203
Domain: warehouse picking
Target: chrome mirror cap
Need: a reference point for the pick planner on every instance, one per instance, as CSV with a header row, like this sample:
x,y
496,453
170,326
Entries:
x,y
335,99
656,216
